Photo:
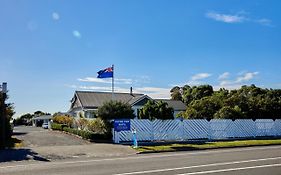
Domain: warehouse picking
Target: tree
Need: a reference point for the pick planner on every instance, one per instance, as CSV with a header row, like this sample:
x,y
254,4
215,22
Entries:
x,y
6,113
176,93
204,108
39,113
165,112
24,119
115,110
156,110
227,112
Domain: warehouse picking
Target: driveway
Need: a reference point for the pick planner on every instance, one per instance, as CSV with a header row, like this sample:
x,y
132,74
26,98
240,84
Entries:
x,y
47,145
38,137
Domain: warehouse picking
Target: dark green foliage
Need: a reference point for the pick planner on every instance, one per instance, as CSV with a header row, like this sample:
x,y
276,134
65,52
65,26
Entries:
x,y
176,93
204,108
115,110
196,92
24,119
56,126
248,102
6,113
156,110
228,112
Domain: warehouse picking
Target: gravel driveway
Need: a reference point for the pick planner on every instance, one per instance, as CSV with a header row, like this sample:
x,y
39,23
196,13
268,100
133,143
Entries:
x,y
37,137
46,145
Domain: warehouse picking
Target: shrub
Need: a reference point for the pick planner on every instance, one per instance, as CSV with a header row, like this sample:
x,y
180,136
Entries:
x,y
115,110
63,119
81,123
89,135
56,126
98,126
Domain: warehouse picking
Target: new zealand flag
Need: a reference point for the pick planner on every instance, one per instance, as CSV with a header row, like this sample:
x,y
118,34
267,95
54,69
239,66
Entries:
x,y
106,73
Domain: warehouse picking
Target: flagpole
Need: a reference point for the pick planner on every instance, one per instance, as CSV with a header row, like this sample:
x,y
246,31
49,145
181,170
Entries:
x,y
112,82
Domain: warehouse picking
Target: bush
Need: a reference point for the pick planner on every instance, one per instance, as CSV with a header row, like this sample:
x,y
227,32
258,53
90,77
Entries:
x,y
81,123
99,126
89,135
56,126
115,110
63,119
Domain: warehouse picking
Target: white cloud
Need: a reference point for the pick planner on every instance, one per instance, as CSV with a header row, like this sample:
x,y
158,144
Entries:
x,y
223,76
226,17
242,78
228,86
154,92
142,79
246,77
238,17
265,22
99,80
76,34
55,16
200,76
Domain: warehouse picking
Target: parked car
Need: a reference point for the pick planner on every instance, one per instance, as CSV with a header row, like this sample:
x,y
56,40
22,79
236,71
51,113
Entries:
x,y
45,125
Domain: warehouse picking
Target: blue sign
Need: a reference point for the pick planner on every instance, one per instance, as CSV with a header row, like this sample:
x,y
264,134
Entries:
x,y
122,125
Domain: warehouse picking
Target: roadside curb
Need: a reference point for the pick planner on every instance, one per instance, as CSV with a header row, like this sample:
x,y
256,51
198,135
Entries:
x,y
202,149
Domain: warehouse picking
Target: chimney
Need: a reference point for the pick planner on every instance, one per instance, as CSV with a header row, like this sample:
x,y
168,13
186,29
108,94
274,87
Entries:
x,y
131,91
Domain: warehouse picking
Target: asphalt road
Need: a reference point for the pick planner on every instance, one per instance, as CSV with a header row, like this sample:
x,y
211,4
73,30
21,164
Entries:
x,y
252,160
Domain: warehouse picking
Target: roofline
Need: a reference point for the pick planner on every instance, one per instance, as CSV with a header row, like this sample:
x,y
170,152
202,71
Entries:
x,y
166,99
108,92
79,99
142,97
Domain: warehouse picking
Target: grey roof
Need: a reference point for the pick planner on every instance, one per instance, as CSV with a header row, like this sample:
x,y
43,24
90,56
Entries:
x,y
97,99
138,98
177,105
43,117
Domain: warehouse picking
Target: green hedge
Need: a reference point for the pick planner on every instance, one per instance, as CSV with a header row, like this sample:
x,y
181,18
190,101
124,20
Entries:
x,y
56,126
82,133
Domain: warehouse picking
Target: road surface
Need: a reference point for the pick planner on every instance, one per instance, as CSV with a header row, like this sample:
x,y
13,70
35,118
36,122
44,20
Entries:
x,y
45,145
252,160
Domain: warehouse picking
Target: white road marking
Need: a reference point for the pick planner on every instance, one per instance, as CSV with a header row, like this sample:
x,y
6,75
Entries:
x,y
198,166
231,169
142,157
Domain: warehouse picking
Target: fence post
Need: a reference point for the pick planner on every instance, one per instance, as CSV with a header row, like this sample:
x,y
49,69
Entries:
x,y
181,129
116,137
209,130
152,130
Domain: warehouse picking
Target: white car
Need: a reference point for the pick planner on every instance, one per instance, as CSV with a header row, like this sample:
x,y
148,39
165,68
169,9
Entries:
x,y
45,125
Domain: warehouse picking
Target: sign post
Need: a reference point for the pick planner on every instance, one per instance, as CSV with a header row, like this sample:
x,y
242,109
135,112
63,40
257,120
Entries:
x,y
121,125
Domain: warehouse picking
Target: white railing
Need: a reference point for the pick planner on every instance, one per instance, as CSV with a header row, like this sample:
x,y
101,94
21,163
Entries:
x,y
177,130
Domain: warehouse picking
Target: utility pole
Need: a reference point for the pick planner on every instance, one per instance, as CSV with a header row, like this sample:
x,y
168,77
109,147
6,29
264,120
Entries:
x,y
3,117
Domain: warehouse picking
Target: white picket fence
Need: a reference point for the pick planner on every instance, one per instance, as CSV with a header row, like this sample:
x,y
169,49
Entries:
x,y
177,130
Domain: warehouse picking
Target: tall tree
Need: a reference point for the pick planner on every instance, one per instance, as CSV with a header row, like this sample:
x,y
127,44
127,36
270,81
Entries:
x,y
156,110
6,113
176,93
115,110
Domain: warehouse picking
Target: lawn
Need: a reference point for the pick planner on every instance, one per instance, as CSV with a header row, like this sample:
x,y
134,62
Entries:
x,y
206,145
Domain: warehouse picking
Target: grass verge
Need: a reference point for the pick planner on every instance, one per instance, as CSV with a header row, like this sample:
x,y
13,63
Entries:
x,y
206,145
14,143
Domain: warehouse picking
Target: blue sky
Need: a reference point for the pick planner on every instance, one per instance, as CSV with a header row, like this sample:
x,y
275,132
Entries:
x,y
49,49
